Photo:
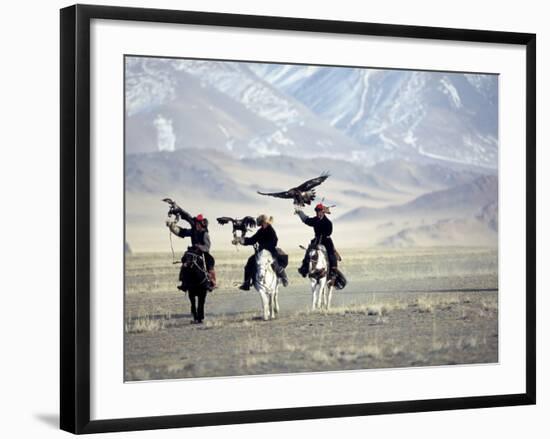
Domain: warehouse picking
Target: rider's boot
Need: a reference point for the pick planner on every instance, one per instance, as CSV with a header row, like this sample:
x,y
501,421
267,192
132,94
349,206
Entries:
x,y
281,273
246,284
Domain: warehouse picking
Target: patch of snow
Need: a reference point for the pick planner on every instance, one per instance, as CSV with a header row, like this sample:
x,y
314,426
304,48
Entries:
x,y
410,139
279,138
450,90
166,139
362,100
223,130
388,143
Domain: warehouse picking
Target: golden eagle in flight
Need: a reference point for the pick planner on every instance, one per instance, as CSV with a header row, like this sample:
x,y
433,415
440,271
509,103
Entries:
x,y
303,194
242,225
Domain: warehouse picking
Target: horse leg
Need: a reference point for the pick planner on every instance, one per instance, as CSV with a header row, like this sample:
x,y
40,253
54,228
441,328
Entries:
x,y
201,297
313,291
320,287
272,305
193,306
329,299
265,304
322,293
276,300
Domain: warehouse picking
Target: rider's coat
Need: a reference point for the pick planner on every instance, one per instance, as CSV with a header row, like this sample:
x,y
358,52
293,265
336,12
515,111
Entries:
x,y
200,240
265,238
323,230
322,227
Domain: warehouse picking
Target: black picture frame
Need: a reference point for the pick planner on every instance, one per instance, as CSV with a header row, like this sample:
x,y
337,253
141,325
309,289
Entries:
x,y
75,217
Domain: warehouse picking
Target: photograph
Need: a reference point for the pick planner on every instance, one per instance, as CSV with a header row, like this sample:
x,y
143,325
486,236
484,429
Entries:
x,y
293,218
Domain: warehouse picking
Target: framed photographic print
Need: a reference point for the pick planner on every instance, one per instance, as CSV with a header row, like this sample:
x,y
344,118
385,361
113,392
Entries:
x,y
304,218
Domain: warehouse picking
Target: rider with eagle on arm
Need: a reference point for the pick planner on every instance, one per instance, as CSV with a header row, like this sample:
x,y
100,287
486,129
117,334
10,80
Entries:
x,y
200,241
323,230
266,239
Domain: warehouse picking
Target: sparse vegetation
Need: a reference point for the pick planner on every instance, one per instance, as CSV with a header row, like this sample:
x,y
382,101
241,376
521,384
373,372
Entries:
x,y
376,322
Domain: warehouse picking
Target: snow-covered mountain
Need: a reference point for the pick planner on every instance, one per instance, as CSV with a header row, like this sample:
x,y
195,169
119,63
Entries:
x,y
173,104
361,115
400,114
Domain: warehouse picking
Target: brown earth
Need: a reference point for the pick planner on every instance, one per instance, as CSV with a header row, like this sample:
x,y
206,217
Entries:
x,y
423,307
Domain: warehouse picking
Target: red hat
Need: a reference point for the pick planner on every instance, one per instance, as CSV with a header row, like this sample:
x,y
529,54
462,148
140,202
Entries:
x,y
199,217
320,207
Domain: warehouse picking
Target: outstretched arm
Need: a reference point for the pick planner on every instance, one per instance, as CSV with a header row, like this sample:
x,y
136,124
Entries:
x,y
305,219
185,215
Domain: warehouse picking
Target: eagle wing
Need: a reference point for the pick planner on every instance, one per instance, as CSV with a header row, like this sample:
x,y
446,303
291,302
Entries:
x,y
224,220
286,194
310,184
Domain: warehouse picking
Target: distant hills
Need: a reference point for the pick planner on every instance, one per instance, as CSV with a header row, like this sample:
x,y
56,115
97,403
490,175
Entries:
x,y
394,203
462,231
188,171
464,199
220,175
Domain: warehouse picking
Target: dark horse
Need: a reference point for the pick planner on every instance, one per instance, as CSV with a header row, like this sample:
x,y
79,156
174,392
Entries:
x,y
194,280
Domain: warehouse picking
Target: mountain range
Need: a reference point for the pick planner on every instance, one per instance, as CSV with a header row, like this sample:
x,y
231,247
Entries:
x,y
464,199
361,115
412,155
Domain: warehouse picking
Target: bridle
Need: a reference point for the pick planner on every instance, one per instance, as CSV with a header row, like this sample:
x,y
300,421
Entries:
x,y
195,261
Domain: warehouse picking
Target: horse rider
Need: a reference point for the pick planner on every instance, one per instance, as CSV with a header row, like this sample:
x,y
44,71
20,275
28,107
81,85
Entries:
x,y
200,243
323,229
266,238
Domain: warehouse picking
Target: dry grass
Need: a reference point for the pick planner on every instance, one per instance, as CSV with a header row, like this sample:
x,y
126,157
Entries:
x,y
374,309
394,313
144,324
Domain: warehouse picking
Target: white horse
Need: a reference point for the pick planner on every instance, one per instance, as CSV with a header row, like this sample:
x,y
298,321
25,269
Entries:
x,y
321,287
267,284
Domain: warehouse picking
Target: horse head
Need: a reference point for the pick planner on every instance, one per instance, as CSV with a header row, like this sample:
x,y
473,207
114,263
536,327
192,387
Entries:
x,y
265,282
317,262
194,266
264,259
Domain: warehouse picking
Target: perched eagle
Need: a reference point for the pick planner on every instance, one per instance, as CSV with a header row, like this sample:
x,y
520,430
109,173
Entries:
x,y
303,194
241,225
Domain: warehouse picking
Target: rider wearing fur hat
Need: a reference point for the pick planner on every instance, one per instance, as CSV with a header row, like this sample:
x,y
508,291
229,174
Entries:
x,y
266,239
200,242
323,229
